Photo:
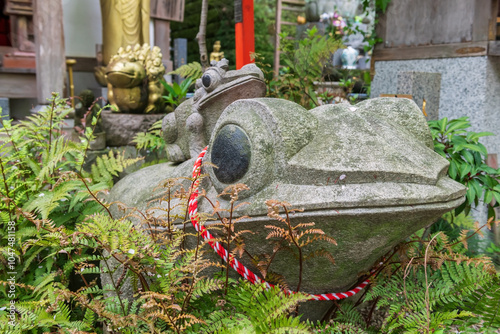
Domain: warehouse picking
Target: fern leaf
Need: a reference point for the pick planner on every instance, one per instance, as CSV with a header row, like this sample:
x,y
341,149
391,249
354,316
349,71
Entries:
x,y
192,70
485,302
107,166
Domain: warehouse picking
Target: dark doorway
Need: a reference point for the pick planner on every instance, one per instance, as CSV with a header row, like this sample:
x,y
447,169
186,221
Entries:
x,y
4,26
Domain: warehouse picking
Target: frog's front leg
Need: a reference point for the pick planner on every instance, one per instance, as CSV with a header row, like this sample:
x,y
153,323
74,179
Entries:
x,y
170,135
155,100
111,99
194,125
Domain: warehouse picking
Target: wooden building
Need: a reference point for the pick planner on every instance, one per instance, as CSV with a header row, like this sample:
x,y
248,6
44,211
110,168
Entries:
x,y
422,29
456,41
37,36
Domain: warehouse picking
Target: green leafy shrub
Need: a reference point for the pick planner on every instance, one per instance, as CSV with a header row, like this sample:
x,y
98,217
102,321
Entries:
x,y
304,61
177,93
179,300
467,157
251,308
432,284
427,286
152,141
44,191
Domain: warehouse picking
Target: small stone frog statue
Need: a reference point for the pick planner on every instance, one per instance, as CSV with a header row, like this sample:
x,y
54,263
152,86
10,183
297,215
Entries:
x,y
188,129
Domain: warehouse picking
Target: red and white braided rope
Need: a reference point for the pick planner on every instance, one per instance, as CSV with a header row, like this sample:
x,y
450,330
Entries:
x,y
233,262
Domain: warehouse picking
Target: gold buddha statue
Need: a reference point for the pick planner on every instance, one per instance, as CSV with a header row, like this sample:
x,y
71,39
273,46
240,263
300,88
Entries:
x,y
124,23
216,55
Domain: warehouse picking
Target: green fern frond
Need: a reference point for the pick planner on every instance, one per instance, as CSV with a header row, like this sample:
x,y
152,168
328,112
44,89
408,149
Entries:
x,y
152,139
4,217
192,70
47,201
335,327
93,290
55,159
485,302
216,322
83,194
43,281
203,287
274,306
349,314
108,166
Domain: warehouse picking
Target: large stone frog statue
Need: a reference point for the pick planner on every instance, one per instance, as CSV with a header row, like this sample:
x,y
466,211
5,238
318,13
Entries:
x,y
133,78
365,174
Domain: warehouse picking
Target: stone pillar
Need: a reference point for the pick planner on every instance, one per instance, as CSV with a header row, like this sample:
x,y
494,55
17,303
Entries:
x,y
422,86
4,104
180,55
162,40
49,47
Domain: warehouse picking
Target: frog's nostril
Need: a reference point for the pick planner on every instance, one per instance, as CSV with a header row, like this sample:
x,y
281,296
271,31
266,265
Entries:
x,y
206,80
231,153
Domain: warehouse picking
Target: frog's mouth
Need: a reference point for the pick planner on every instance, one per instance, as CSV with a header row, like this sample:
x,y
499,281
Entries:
x,y
362,198
124,79
244,85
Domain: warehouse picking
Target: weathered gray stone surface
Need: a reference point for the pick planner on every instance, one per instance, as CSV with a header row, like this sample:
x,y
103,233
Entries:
x,y
366,175
121,128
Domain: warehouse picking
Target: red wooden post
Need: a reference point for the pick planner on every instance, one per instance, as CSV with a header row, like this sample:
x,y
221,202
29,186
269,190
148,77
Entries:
x,y
244,31
248,31
238,32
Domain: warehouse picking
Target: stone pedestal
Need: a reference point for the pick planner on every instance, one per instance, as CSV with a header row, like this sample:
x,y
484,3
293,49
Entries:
x,y
121,128
422,86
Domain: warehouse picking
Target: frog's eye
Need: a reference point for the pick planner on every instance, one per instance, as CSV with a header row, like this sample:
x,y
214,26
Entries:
x,y
254,141
205,80
210,80
242,149
231,153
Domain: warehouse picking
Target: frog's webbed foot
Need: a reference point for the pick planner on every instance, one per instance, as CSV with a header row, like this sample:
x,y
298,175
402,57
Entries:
x,y
155,99
194,125
174,153
151,108
112,100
